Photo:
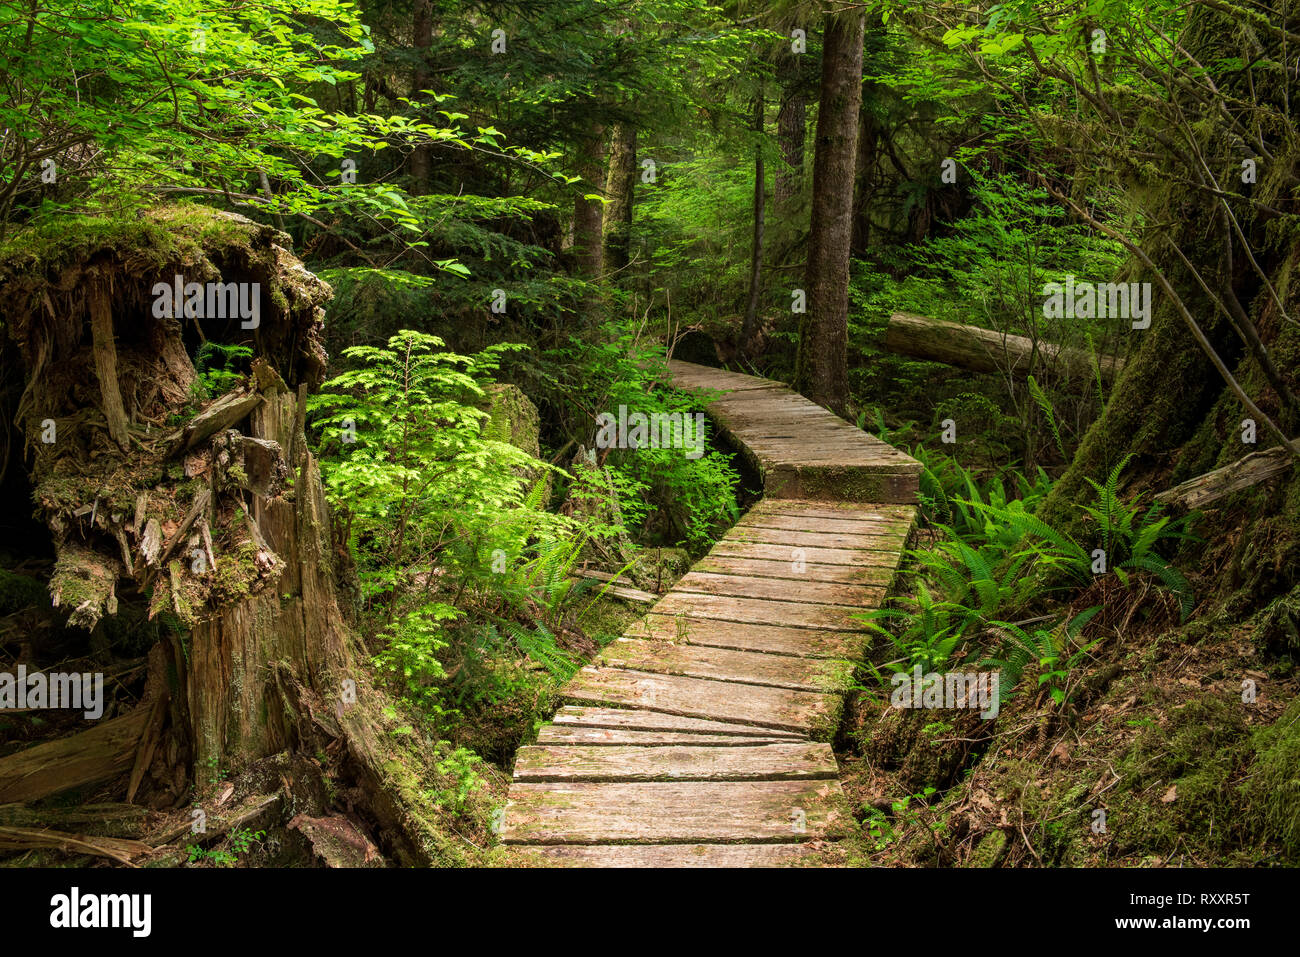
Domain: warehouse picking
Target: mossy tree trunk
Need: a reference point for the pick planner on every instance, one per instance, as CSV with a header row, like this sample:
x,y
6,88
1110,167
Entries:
x,y
619,188
588,214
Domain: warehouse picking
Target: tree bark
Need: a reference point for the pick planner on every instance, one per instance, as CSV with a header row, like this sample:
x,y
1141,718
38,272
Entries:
x,y
421,163
589,214
791,132
101,325
619,189
822,368
750,329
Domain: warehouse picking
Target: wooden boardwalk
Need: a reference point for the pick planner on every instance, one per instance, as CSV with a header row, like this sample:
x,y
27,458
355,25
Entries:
x,y
701,737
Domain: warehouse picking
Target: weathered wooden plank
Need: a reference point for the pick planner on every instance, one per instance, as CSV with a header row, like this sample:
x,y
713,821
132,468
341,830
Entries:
x,y
777,589
755,421
880,575
784,761
760,611
664,812
884,541
811,442
630,719
802,711
727,664
674,855
767,639
731,548
843,510
811,523
613,737
771,406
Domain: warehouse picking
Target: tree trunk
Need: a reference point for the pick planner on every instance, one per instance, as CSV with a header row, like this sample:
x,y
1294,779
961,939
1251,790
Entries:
x,y
864,186
619,188
421,163
750,330
791,132
822,373
588,214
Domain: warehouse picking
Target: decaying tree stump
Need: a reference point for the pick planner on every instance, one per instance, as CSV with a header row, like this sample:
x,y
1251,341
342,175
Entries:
x,y
211,514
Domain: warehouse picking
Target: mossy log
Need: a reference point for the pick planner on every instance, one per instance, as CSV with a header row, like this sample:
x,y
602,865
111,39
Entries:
x,y
985,350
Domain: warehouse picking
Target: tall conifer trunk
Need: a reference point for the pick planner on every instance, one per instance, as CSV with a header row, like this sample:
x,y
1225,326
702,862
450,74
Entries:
x,y
822,373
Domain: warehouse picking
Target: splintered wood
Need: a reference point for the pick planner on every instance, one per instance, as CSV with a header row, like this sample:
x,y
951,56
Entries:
x,y
700,738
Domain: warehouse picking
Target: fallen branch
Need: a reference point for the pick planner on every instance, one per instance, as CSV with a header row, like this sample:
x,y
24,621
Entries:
x,y
220,415
99,820
616,588
1250,470
29,839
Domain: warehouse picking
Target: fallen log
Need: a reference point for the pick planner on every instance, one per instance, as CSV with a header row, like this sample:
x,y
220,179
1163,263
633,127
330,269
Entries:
x,y
984,350
98,820
98,754
1246,471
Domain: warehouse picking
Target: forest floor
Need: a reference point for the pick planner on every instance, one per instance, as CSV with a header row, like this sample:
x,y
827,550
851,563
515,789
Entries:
x,y
1159,761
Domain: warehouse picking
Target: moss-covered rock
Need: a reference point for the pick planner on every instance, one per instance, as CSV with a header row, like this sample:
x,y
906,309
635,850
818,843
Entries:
x,y
513,419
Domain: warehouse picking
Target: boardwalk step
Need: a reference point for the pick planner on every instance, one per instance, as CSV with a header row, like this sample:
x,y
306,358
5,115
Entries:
x,y
765,518
791,588
747,636
879,575
802,711
615,737
628,719
725,664
778,552
675,855
785,761
663,812
759,611
884,541
856,511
